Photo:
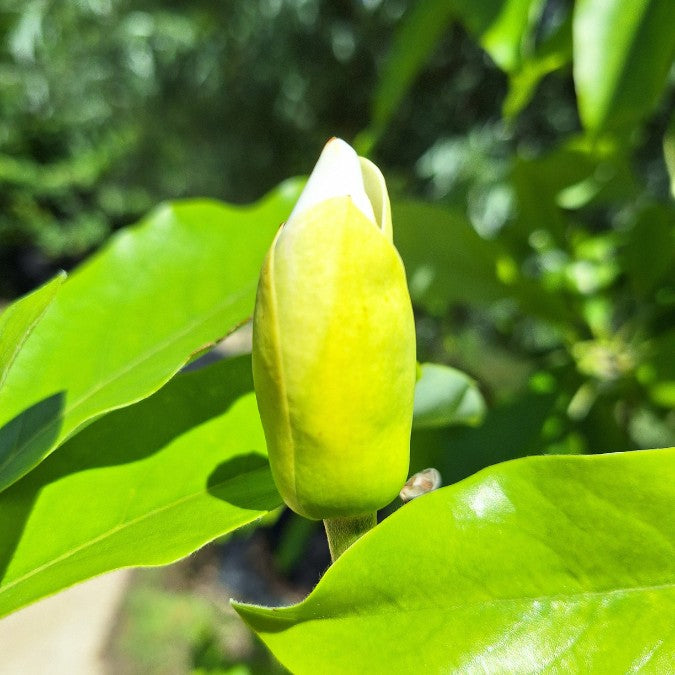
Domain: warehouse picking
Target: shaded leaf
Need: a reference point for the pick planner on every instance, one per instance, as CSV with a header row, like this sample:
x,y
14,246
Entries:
x,y
648,256
540,564
569,177
502,27
448,262
445,259
445,396
658,371
415,40
508,431
130,316
145,485
554,53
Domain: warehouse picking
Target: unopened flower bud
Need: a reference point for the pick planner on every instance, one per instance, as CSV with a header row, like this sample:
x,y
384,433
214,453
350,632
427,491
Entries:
x,y
334,345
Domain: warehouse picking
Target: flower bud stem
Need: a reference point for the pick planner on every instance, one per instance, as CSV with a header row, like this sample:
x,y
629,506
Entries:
x,y
343,532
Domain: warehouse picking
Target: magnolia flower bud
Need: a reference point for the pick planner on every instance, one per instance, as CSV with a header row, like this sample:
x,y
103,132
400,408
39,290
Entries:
x,y
334,345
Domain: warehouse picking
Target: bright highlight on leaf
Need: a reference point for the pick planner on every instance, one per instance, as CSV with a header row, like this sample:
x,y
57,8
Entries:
x,y
20,318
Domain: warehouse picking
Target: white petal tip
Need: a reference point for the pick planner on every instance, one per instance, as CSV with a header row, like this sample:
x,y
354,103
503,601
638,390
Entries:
x,y
337,174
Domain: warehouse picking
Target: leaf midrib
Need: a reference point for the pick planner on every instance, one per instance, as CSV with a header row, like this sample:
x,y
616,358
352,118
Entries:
x,y
125,525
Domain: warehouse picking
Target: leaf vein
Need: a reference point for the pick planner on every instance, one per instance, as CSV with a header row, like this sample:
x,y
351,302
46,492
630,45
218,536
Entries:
x,y
120,527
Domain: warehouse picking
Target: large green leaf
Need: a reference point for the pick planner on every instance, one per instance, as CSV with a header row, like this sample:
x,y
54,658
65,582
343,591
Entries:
x,y
20,318
623,50
555,564
145,485
126,321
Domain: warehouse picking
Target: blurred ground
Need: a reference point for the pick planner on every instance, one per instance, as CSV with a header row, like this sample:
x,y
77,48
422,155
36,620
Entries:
x,y
170,620
66,633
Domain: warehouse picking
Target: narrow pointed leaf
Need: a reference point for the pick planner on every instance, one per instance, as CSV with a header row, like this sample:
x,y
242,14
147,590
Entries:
x,y
145,485
502,28
542,564
416,38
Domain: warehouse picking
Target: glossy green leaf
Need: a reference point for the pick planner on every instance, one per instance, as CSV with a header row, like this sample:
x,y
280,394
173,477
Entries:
x,y
20,318
128,318
446,396
623,50
543,564
145,485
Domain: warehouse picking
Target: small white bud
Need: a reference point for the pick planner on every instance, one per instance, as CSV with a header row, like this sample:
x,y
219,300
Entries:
x,y
420,483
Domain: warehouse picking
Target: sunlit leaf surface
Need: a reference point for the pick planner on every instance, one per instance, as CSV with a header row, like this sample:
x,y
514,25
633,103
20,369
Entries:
x,y
555,564
145,485
127,320
20,318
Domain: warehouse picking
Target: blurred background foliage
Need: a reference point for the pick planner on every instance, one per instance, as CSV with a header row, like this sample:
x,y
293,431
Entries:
x,y
543,254
527,145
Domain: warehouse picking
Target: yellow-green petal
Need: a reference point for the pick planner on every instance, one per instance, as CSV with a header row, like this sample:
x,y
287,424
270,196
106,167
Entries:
x,y
334,362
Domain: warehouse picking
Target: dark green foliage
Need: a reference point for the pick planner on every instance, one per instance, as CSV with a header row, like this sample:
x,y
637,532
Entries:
x,y
107,108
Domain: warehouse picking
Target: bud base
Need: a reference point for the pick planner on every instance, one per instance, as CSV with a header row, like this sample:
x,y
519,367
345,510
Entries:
x,y
343,532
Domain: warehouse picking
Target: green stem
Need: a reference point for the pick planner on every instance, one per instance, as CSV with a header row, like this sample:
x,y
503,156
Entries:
x,y
343,532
